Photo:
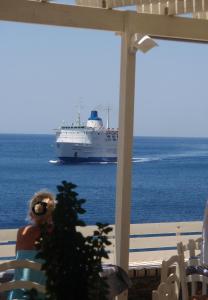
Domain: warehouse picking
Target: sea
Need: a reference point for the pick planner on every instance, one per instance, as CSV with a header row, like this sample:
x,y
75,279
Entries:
x,y
169,179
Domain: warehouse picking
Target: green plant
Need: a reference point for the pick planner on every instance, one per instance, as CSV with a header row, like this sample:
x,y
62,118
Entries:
x,y
72,261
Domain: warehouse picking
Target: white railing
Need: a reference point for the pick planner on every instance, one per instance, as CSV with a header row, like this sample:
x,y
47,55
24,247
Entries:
x,y
149,243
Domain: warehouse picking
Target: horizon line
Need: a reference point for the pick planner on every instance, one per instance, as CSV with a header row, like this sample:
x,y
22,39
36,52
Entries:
x,y
142,136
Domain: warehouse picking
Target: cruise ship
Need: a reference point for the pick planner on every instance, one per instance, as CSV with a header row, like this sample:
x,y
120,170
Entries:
x,y
89,143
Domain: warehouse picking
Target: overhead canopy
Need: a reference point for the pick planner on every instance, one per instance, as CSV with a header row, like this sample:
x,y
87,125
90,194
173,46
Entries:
x,y
193,8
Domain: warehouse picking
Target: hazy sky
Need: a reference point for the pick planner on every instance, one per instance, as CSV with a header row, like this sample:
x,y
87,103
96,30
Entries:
x,y
47,71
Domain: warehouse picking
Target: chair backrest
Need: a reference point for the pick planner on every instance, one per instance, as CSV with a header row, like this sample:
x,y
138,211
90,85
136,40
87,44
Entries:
x,y
20,284
191,251
169,286
193,274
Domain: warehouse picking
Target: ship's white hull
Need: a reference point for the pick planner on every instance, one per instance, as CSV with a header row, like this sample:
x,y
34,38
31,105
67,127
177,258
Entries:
x,y
71,152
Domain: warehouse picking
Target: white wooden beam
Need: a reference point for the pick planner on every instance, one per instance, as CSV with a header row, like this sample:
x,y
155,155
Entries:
x,y
166,27
124,166
170,27
60,15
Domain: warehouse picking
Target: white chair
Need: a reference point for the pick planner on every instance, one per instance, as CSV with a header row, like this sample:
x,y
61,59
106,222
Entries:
x,y
191,251
190,262
20,284
169,286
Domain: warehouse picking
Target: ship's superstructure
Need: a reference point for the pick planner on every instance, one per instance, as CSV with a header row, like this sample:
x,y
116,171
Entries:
x,y
92,142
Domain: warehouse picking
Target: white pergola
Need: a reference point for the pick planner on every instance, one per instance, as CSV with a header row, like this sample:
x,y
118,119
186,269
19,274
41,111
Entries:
x,y
157,19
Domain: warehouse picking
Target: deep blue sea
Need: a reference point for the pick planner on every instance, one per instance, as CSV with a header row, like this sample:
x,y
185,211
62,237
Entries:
x,y
169,179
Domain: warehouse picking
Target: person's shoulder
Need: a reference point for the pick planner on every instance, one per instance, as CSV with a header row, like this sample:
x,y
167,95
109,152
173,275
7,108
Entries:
x,y
29,229
27,237
21,229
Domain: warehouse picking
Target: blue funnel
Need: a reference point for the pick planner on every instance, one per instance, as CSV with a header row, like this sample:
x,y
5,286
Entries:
x,y
94,116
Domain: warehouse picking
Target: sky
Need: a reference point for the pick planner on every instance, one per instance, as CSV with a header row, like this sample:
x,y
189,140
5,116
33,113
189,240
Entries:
x,y
48,72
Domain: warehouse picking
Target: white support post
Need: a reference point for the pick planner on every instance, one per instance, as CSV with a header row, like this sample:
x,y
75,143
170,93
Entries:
x,y
124,168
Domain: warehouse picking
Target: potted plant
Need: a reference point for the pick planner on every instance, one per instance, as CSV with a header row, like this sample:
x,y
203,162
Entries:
x,y
72,262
